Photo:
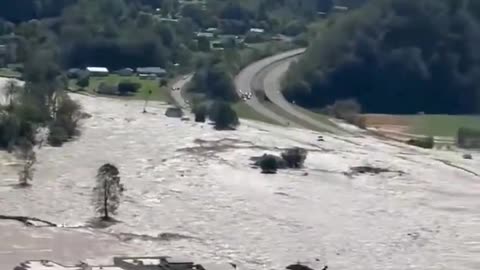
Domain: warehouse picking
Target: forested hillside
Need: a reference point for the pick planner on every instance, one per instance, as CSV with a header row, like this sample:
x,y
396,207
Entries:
x,y
119,33
395,56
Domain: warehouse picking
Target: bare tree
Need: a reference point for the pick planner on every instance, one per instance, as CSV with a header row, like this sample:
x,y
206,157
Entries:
x,y
11,91
107,192
29,158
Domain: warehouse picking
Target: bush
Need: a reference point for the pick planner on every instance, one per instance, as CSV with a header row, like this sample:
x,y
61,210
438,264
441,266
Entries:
x,y
107,89
223,116
295,157
127,87
468,138
83,81
269,164
163,82
65,124
200,112
346,109
427,142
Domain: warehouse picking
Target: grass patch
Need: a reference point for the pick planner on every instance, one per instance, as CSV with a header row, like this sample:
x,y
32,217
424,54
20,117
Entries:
x,y
158,93
443,125
247,112
9,73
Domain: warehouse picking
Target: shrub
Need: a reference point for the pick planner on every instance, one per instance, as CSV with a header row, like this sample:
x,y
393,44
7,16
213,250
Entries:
x,y
346,109
65,124
107,89
83,81
200,112
57,135
163,82
427,142
295,157
269,164
468,138
223,116
127,87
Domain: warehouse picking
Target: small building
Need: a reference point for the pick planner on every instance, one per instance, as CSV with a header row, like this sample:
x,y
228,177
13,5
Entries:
x,y
74,73
151,71
257,30
340,8
174,112
204,34
212,30
98,71
125,72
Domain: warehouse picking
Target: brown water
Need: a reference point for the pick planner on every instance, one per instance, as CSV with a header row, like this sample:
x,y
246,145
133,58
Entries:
x,y
185,179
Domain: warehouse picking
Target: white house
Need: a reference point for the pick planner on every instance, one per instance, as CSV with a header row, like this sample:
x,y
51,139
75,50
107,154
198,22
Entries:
x,y
98,71
257,30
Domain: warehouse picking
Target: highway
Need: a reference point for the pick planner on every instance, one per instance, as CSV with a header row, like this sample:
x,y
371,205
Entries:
x,y
266,75
177,94
244,81
272,89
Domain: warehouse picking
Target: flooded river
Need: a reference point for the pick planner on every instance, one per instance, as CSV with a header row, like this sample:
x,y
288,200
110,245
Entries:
x,y
190,192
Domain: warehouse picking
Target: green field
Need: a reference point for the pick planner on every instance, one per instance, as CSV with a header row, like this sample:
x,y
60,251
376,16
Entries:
x,y
442,125
9,73
158,93
245,111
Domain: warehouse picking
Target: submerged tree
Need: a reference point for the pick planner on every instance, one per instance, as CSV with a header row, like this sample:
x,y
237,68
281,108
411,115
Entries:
x,y
29,158
106,194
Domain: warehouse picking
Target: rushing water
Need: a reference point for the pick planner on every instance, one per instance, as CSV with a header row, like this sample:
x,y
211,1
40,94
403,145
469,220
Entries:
x,y
195,186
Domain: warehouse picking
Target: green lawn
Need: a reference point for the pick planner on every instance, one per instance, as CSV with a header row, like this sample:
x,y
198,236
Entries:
x,y
10,73
245,111
443,125
158,93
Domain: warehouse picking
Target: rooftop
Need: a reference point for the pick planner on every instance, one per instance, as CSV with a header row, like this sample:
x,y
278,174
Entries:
x,y
98,69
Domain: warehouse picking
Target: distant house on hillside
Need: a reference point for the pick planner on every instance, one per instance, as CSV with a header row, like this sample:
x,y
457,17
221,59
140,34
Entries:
x,y
151,71
212,30
340,8
257,30
98,71
205,34
74,73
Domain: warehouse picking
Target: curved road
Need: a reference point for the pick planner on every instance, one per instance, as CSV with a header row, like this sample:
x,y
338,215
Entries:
x,y
177,94
266,74
272,88
243,81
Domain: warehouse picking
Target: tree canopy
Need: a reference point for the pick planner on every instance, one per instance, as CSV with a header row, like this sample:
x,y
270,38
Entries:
x,y
395,56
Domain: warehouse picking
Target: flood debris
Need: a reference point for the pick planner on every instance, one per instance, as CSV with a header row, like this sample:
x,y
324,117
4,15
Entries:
x,y
292,158
29,221
145,237
299,266
370,170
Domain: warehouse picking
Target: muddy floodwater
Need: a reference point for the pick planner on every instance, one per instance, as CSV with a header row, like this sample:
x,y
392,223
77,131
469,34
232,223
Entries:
x,y
190,192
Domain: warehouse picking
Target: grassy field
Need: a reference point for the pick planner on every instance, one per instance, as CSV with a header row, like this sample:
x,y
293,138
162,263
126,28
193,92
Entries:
x,y
245,111
9,73
158,93
430,125
443,125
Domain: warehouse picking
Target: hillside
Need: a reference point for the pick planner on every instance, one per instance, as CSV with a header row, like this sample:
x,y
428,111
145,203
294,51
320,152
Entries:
x,y
395,56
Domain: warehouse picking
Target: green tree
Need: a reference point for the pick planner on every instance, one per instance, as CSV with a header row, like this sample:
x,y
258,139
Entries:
x,y
83,81
223,116
107,191
269,164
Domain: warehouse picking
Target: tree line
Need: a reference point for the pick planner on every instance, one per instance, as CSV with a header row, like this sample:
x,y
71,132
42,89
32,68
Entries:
x,y
394,56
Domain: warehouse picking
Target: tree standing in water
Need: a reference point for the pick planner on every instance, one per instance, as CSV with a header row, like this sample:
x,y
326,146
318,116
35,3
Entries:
x,y
29,158
107,192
